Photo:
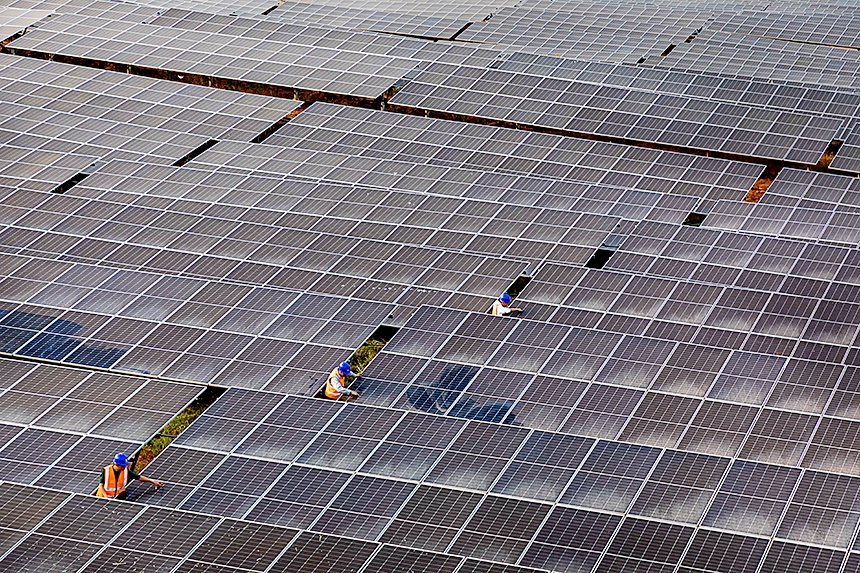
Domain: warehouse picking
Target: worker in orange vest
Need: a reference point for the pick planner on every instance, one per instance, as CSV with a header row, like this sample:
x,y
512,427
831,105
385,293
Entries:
x,y
335,386
117,476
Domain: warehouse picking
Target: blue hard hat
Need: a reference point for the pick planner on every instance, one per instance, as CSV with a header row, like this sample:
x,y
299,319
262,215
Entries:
x,y
505,298
344,368
121,460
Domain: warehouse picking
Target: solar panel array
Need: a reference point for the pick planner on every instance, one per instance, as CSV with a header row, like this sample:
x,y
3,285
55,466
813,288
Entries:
x,y
380,137
603,31
799,204
241,193
619,112
736,55
278,64
61,425
102,115
813,99
373,20
826,29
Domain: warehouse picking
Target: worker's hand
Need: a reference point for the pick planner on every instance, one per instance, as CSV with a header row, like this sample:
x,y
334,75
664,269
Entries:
x,y
354,393
155,483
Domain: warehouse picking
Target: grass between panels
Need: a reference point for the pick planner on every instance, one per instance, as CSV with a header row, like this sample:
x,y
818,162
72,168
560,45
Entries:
x,y
175,427
365,353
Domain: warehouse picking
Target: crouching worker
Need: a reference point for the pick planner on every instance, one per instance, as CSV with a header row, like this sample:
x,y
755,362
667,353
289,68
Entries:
x,y
335,386
503,306
116,477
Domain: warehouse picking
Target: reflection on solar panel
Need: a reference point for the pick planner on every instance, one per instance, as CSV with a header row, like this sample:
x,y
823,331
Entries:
x,y
16,20
245,193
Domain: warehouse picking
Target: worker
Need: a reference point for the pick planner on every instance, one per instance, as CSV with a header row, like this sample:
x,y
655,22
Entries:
x,y
503,306
116,477
335,386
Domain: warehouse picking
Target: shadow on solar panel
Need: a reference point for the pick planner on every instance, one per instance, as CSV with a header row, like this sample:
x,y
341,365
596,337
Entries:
x,y
56,341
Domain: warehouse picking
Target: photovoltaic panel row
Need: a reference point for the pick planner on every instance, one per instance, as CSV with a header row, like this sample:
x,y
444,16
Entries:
x,y
152,7
280,27
481,490
211,543
456,280
348,213
62,424
812,99
140,101
607,32
42,147
619,112
448,143
369,19
733,55
837,225
278,64
798,204
298,249
179,328
827,29
472,10
376,170
223,7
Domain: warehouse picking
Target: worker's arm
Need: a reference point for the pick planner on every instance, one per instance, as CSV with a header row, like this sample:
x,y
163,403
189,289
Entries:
x,y
144,479
339,387
154,482
515,310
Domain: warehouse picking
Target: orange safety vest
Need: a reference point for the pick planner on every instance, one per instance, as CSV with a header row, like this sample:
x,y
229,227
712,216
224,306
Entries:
x,y
115,483
330,391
